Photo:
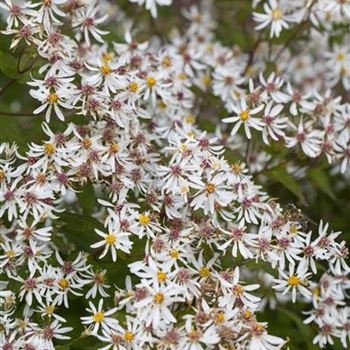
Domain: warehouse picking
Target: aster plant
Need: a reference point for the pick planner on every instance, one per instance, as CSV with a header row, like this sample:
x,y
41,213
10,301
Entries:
x,y
174,174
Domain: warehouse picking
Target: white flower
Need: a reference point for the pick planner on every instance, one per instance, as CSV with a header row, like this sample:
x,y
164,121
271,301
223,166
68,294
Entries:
x,y
113,240
273,125
53,331
233,290
51,101
260,340
151,5
100,318
87,21
310,141
246,117
342,149
273,17
18,12
212,193
154,309
242,241
294,282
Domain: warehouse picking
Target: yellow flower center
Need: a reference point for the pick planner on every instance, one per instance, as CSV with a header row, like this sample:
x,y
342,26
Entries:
x,y
166,62
204,272
238,290
194,335
244,115
49,149
10,253
161,276
9,301
111,238
182,76
247,314
86,143
133,86
52,98
158,298
293,230
340,56
100,277
50,309
144,219
98,316
129,336
2,175
236,167
210,188
174,253
190,119
105,69
162,105
114,148
150,81
22,324
184,189
107,57
219,317
63,283
191,134
237,94
276,13
293,280
315,291
206,80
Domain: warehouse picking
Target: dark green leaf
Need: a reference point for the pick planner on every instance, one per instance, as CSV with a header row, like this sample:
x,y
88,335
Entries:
x,y
281,175
80,229
321,181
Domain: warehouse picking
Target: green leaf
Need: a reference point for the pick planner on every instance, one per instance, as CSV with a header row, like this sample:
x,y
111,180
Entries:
x,y
87,198
321,181
8,64
281,175
85,343
11,131
305,330
80,229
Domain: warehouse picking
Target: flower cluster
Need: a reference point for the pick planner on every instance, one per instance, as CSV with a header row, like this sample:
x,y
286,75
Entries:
x,y
199,238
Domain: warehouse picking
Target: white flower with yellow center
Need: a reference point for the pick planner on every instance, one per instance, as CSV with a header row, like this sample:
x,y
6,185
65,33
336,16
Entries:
x,y
212,193
113,240
100,318
154,309
51,101
294,281
274,16
144,224
244,116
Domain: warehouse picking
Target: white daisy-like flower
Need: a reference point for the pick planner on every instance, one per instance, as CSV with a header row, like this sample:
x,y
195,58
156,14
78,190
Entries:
x,y
245,116
273,17
100,318
113,240
293,282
